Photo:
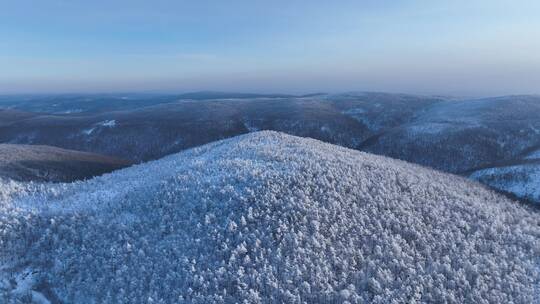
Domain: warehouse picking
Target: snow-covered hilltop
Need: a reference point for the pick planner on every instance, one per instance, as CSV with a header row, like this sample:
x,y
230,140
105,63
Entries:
x,y
267,217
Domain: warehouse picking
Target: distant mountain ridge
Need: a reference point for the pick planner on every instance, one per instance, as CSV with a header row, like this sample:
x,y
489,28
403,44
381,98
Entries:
x,y
457,136
96,103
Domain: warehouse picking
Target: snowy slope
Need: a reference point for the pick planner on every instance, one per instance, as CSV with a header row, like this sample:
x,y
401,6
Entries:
x,y
267,217
522,180
459,136
533,155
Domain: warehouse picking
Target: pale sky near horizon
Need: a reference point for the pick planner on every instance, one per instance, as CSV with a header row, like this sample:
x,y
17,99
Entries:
x,y
483,47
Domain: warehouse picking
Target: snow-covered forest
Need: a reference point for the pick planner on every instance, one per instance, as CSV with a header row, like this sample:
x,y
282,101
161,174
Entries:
x,y
455,135
267,217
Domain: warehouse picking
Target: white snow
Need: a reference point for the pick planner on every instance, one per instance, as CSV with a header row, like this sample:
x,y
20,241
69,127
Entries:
x,y
39,298
533,155
88,131
326,129
71,111
521,180
23,282
267,217
103,124
534,129
250,126
354,111
108,123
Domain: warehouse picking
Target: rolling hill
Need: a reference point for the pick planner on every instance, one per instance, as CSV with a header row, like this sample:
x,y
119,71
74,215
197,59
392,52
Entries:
x,y
267,217
50,164
457,136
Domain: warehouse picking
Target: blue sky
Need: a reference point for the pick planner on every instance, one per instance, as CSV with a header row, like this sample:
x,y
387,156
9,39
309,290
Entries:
x,y
430,47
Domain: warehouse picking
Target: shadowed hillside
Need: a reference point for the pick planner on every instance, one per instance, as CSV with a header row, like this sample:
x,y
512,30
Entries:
x,y
50,164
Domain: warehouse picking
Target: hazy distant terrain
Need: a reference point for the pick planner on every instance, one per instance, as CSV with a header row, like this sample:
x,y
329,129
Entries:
x,y
453,135
457,136
51,164
149,132
76,103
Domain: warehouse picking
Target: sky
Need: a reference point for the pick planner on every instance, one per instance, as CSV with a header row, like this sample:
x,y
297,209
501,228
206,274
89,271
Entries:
x,y
465,48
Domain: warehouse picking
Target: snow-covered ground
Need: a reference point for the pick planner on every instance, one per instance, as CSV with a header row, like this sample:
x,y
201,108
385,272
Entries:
x,y
520,180
267,217
102,124
533,155
108,123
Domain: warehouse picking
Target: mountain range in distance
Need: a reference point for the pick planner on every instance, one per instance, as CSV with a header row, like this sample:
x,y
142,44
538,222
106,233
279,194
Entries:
x,y
493,140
